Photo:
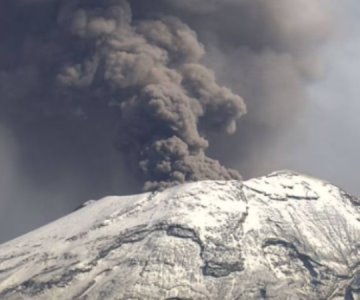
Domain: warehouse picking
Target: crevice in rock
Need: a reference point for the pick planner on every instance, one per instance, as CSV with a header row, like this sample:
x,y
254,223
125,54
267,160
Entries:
x,y
210,268
33,287
306,260
287,196
216,269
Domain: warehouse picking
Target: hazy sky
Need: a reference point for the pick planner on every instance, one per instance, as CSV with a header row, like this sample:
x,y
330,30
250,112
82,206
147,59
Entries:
x,y
47,170
325,140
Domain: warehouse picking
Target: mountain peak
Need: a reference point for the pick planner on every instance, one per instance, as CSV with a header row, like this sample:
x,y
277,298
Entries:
x,y
284,235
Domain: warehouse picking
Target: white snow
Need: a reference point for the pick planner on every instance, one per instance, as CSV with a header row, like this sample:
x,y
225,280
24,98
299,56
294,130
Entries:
x,y
161,242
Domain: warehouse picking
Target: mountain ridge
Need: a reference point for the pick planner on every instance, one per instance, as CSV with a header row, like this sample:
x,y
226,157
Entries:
x,y
284,236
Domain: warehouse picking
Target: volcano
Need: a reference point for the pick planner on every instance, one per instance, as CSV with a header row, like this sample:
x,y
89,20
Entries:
x,y
281,236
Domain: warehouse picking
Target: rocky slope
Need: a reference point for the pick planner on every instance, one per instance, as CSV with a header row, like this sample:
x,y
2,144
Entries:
x,y
282,236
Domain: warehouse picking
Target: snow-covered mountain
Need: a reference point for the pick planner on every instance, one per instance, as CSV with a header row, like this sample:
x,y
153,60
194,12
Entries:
x,y
282,236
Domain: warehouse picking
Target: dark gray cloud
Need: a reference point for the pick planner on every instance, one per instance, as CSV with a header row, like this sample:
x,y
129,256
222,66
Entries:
x,y
266,51
161,81
149,72
153,69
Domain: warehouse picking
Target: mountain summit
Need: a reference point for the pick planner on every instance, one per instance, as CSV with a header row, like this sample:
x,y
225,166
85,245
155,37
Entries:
x,y
282,236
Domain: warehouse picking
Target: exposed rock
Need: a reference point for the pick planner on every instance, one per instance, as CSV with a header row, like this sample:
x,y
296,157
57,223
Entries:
x,y
282,236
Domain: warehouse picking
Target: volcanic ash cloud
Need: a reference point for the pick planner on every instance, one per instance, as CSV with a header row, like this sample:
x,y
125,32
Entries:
x,y
139,64
168,100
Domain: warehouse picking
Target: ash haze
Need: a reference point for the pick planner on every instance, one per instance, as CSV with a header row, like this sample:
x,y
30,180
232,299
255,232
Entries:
x,y
113,97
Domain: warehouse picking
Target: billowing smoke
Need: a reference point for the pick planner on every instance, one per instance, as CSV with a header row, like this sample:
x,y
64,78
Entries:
x,y
167,99
150,73
162,81
266,51
143,60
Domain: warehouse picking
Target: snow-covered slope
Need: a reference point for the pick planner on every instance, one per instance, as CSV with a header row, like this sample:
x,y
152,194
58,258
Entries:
x,y
282,236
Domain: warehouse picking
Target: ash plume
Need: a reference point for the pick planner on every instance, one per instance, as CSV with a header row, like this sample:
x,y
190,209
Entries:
x,y
163,92
150,73
269,52
139,66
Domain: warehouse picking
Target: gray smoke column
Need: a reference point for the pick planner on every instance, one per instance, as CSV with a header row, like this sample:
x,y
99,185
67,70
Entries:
x,y
167,99
267,51
140,64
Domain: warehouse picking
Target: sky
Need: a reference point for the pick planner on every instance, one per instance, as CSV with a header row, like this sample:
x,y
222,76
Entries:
x,y
50,166
325,140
